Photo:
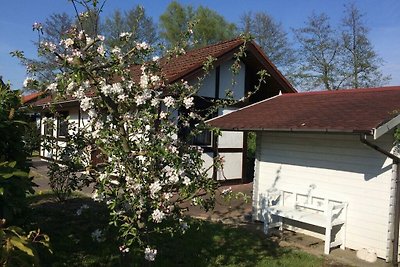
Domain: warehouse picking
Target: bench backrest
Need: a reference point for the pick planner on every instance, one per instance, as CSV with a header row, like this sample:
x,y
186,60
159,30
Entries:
x,y
286,198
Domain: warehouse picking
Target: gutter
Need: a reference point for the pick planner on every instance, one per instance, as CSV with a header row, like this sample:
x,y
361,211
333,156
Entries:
x,y
394,213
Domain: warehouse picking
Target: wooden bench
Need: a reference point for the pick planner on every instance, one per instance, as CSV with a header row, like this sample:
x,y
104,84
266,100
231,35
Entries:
x,y
309,209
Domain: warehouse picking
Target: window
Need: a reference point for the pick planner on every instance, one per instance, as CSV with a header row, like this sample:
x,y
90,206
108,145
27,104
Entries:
x,y
48,125
202,139
62,129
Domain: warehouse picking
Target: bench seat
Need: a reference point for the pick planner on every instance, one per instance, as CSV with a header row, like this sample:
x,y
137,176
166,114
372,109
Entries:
x,y
324,213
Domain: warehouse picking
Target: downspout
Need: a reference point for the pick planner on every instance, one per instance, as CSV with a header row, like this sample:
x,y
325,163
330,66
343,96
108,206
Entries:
x,y
394,215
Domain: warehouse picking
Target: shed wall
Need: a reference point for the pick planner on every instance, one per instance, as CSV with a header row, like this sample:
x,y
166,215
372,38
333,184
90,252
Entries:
x,y
341,168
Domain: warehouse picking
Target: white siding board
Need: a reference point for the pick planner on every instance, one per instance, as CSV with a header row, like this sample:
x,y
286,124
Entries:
x,y
225,81
208,161
341,167
232,166
230,139
207,86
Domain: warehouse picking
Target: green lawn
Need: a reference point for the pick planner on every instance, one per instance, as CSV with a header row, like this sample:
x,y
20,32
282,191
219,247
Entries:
x,y
204,244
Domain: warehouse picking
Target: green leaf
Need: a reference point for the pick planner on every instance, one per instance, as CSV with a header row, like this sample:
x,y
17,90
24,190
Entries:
x,y
19,243
20,173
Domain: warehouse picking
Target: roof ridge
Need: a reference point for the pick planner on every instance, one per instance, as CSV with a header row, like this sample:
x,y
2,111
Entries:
x,y
217,44
350,90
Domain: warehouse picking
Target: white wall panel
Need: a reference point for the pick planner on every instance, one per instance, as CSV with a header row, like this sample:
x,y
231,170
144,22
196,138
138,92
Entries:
x,y
341,168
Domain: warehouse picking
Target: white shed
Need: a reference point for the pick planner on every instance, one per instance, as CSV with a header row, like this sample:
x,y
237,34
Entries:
x,y
328,147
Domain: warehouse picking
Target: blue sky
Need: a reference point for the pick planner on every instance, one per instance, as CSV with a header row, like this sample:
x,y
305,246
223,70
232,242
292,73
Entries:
x,y
381,16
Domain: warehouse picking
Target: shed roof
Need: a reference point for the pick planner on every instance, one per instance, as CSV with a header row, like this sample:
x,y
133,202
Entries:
x,y
191,63
372,111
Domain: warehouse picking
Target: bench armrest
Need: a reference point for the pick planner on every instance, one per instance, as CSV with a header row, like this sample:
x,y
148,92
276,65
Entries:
x,y
339,206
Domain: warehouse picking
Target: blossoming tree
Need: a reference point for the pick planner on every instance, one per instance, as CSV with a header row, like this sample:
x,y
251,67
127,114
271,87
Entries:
x,y
141,127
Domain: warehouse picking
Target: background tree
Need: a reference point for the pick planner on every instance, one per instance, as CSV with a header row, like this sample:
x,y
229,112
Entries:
x,y
209,27
174,21
272,38
319,55
360,60
134,21
54,28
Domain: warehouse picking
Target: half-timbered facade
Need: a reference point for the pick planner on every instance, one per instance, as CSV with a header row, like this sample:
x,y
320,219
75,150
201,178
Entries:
x,y
231,145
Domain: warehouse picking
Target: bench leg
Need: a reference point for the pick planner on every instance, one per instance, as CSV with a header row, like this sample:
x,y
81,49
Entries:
x,y
266,227
267,218
343,229
327,248
280,223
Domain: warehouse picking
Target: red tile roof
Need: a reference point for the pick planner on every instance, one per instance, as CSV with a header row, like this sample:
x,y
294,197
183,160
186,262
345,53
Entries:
x,y
191,63
183,65
354,110
27,98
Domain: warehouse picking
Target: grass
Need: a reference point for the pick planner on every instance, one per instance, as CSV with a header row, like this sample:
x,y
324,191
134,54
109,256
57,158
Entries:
x,y
204,244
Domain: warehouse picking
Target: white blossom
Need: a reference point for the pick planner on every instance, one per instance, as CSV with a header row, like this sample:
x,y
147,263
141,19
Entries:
x,y
67,42
186,181
70,59
158,216
144,81
92,114
155,79
77,53
27,81
140,100
116,50
150,254
114,182
103,176
173,178
167,195
89,40
226,191
86,103
154,188
81,34
116,88
169,101
101,37
105,89
188,102
142,46
163,115
124,249
155,102
37,26
52,87
101,50
125,34
49,45
122,97
71,87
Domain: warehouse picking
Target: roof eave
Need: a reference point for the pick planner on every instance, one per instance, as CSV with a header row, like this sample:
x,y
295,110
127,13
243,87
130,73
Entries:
x,y
386,127
259,129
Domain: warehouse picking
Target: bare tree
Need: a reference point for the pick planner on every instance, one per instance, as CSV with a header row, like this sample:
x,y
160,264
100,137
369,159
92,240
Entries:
x,y
134,21
360,61
319,55
271,37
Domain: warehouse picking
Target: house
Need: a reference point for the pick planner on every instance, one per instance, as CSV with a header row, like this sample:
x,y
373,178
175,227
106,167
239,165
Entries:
x,y
336,145
231,145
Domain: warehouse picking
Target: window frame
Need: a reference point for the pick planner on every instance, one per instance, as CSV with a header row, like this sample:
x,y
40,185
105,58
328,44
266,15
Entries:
x,y
62,124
